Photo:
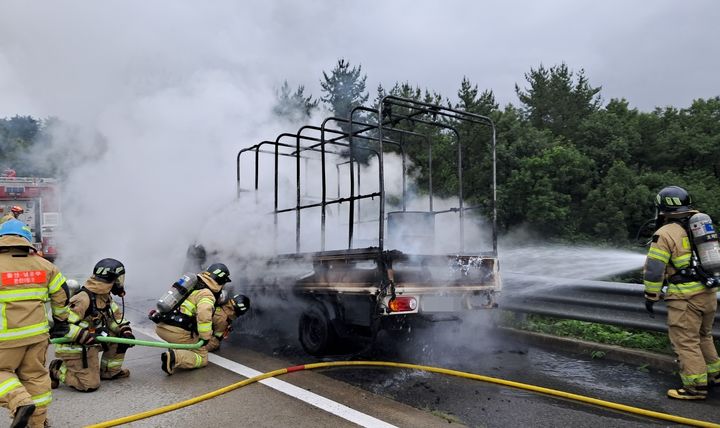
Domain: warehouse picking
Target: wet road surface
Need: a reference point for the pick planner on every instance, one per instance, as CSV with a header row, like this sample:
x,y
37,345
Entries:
x,y
443,400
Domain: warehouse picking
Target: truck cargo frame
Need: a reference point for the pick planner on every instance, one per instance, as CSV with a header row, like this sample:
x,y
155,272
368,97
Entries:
x,y
350,293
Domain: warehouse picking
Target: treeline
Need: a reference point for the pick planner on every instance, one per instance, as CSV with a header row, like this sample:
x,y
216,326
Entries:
x,y
569,165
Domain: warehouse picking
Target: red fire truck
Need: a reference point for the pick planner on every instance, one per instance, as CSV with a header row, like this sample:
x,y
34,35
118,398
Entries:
x,y
40,200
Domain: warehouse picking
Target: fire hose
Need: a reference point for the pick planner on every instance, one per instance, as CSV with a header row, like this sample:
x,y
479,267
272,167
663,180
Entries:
x,y
503,382
110,339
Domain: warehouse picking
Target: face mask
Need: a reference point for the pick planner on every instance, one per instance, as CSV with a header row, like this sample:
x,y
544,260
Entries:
x,y
118,290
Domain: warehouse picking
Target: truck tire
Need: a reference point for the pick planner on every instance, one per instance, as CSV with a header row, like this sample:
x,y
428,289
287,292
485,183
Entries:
x,y
316,332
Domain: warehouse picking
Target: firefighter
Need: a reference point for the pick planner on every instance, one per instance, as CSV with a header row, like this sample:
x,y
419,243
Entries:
x,y
193,320
225,314
26,282
93,307
14,213
691,305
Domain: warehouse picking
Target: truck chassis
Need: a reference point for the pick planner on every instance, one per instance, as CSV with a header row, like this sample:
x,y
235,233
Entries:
x,y
351,293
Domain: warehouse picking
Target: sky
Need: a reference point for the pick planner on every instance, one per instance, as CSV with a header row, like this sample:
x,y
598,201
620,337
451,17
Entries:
x,y
82,53
175,88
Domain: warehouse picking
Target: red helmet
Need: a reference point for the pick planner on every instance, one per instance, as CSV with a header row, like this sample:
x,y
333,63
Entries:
x,y
16,209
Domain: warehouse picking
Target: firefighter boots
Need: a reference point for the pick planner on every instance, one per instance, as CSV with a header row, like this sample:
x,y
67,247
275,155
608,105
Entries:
x,y
22,416
689,393
119,375
168,361
54,370
713,381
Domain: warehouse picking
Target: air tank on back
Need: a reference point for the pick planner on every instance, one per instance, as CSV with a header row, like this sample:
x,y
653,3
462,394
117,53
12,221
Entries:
x,y
177,293
705,238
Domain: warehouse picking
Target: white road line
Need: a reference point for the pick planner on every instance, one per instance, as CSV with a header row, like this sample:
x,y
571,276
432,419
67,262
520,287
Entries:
x,y
311,398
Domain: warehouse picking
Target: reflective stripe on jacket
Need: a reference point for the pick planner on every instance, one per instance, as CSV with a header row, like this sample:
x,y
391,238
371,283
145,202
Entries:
x,y
669,252
102,311
222,319
200,304
27,281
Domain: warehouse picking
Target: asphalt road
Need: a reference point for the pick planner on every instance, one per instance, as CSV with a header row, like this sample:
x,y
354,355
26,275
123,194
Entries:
x,y
395,396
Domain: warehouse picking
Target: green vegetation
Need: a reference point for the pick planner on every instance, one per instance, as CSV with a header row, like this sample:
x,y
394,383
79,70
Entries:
x,y
600,333
569,165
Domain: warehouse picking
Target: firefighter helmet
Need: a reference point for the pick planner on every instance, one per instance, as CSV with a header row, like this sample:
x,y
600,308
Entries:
x,y
109,270
17,210
219,273
16,227
673,199
241,304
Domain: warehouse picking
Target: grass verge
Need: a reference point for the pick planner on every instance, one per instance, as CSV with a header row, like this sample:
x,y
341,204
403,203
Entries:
x,y
594,332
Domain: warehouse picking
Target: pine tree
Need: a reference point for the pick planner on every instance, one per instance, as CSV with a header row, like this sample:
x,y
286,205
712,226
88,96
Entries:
x,y
558,99
344,88
294,106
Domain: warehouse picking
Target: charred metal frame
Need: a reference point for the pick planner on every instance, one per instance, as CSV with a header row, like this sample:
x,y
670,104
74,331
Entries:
x,y
386,120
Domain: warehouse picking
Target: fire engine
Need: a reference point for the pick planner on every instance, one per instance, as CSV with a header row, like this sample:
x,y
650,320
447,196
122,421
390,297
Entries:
x,y
40,200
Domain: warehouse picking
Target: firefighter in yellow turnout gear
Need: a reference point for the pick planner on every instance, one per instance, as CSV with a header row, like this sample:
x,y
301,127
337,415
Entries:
x,y
192,321
691,305
14,213
225,314
26,282
93,308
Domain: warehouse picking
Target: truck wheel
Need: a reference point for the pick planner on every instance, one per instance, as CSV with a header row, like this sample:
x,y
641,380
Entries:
x,y
316,333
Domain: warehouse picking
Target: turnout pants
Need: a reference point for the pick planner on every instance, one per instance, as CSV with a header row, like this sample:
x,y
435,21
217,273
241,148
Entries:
x,y
690,323
24,380
184,358
76,373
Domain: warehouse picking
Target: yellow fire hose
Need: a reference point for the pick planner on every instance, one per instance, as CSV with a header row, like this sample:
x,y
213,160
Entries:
x,y
539,389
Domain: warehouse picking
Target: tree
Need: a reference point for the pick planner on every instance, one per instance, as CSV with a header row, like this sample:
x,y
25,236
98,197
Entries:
x,y
609,135
483,104
476,141
547,191
558,99
344,88
17,136
615,209
294,106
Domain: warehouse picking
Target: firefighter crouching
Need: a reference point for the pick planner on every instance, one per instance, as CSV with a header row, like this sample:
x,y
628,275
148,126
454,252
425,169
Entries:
x,y
26,282
225,313
691,300
189,318
93,308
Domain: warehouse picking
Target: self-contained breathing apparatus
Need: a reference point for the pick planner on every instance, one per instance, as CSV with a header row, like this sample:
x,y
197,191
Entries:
x,y
675,204
169,304
705,261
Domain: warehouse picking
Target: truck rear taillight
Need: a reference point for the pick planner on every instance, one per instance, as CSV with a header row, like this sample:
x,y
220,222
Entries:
x,y
403,304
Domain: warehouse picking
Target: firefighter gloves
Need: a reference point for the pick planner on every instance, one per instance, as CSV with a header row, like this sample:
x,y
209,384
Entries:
x,y
85,337
649,306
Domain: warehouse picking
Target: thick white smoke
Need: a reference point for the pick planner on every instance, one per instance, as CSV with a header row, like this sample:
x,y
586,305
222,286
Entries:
x,y
159,98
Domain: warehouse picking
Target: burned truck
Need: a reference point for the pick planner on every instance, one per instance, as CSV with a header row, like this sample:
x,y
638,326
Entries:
x,y
356,246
